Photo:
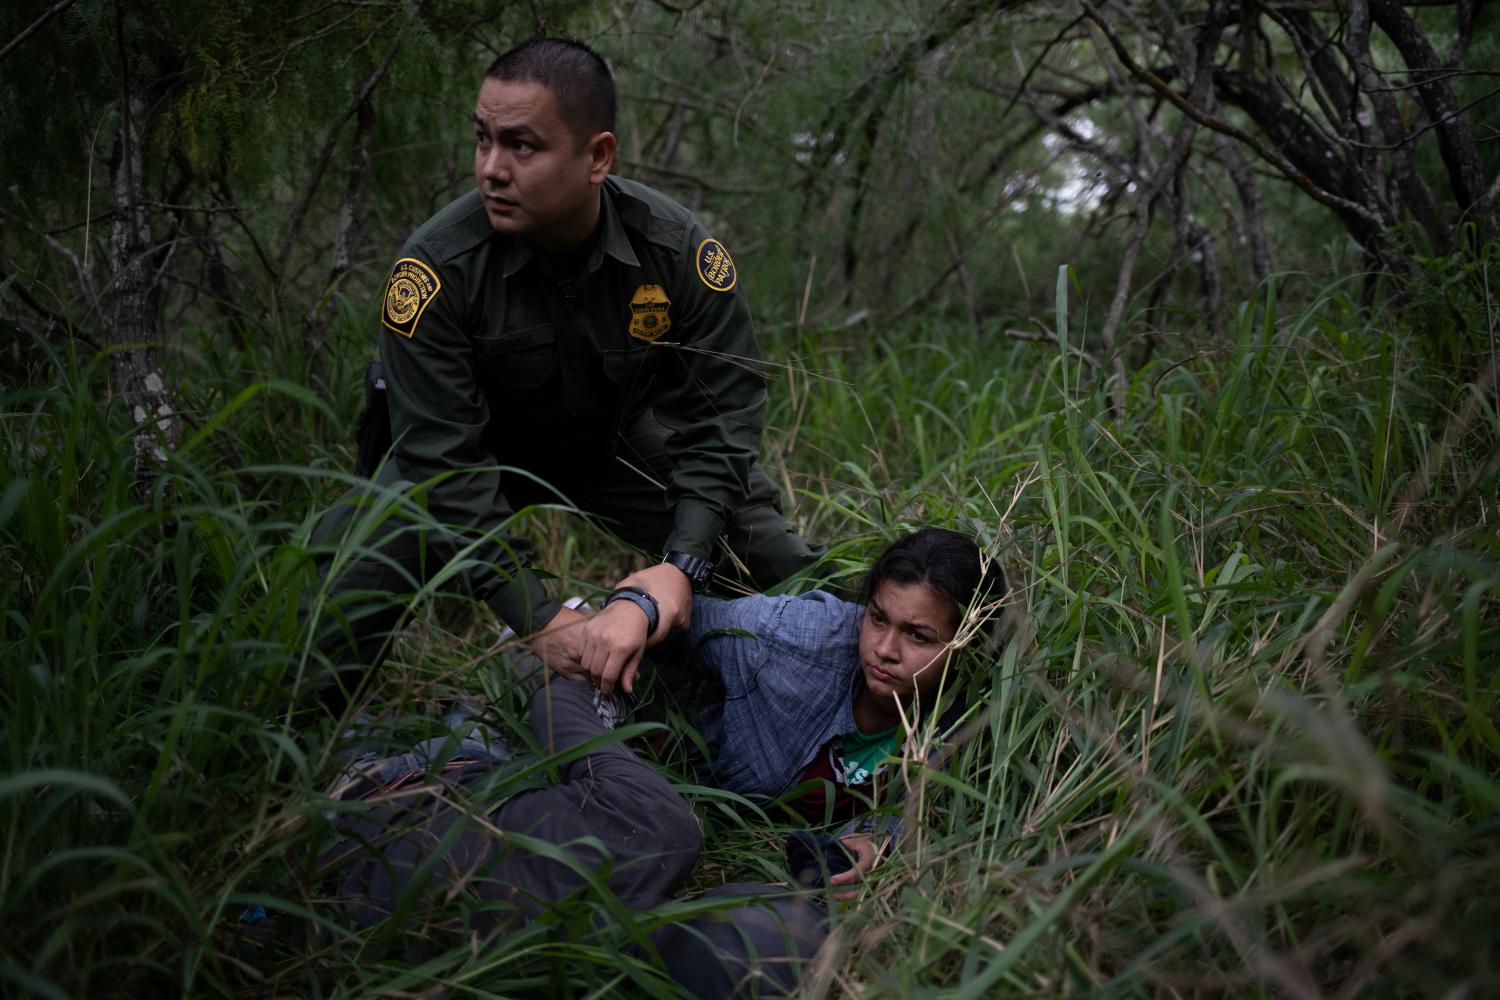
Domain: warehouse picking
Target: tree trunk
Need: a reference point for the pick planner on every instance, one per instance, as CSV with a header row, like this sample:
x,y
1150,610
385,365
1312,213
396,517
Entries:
x,y
1455,140
1254,229
360,104
1356,45
132,329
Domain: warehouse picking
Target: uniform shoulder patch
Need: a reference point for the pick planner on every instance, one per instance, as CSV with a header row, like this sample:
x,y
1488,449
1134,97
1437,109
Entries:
x,y
412,288
649,318
715,266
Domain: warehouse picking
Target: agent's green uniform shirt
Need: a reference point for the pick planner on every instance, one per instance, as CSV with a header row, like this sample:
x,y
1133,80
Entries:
x,y
497,354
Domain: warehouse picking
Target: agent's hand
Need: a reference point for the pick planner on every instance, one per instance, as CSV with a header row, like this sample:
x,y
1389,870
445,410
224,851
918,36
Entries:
x,y
613,641
674,596
863,846
615,638
560,643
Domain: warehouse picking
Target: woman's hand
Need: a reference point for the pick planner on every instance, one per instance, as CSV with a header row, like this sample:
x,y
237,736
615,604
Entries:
x,y
863,847
612,644
560,643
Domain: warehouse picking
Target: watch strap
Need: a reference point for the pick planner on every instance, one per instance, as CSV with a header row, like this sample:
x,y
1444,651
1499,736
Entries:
x,y
642,600
698,570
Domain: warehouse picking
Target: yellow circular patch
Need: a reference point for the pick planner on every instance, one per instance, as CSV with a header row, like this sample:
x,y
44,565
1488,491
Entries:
x,y
402,300
715,267
410,291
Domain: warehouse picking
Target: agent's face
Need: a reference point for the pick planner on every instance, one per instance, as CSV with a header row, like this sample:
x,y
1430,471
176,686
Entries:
x,y
535,179
904,639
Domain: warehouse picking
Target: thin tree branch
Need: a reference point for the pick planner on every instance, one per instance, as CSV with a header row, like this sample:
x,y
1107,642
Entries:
x,y
52,12
351,217
12,283
1270,155
320,167
1036,64
1048,337
84,280
1435,123
1233,161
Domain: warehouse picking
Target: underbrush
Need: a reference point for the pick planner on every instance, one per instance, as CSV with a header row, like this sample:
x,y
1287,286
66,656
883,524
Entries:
x,y
1241,737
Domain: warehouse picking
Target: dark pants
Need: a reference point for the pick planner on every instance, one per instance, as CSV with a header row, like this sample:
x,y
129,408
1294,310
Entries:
x,y
612,815
622,492
759,945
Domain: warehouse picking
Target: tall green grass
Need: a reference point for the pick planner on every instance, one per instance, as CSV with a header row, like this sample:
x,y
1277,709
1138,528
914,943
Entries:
x,y
1241,737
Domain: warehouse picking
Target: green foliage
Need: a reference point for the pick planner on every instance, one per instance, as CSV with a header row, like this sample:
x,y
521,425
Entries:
x,y
1241,734
876,159
1449,297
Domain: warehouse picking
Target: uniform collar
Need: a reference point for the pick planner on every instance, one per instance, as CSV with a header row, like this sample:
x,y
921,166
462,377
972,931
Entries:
x,y
612,240
612,237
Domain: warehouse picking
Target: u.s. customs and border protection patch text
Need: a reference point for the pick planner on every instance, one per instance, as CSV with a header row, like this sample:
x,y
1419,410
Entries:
x,y
412,287
715,266
648,313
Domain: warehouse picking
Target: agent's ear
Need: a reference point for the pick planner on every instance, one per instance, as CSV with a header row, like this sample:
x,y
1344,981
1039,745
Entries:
x,y
601,150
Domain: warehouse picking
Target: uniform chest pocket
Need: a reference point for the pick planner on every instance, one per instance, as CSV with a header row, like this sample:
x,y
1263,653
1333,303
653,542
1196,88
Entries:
x,y
630,368
519,361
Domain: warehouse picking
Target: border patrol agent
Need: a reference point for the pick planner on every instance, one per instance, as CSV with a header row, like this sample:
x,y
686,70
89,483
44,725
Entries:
x,y
589,331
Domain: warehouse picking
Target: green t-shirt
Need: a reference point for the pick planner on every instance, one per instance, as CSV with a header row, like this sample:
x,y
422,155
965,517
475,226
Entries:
x,y
863,753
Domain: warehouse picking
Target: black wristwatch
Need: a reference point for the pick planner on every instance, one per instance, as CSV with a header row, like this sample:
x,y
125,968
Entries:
x,y
698,570
642,600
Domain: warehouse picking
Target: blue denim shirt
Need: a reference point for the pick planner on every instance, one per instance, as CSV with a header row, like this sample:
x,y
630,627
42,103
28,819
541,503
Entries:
x,y
790,669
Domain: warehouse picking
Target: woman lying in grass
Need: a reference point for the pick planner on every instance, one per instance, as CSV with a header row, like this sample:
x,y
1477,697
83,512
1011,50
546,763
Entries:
x,y
815,693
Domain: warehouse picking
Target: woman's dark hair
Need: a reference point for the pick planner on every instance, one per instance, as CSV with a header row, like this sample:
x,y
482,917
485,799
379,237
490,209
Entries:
x,y
577,76
947,561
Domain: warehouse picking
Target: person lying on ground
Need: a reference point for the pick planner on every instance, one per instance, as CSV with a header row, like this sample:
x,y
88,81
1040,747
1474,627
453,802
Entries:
x,y
614,818
816,693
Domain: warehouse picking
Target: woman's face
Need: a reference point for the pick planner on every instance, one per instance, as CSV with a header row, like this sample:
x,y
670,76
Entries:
x,y
904,638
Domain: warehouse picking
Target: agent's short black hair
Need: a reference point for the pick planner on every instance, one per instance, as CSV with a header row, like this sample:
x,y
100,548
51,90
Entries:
x,y
577,76
947,561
